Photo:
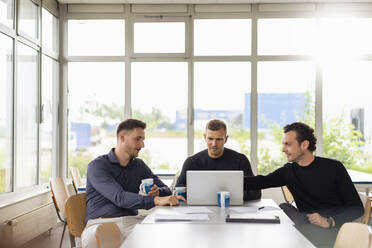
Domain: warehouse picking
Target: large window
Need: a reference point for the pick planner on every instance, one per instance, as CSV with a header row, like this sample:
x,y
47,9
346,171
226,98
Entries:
x,y
6,59
6,12
347,115
159,94
267,63
96,37
168,37
222,37
28,18
96,106
28,94
50,31
286,36
26,127
285,94
222,91
48,89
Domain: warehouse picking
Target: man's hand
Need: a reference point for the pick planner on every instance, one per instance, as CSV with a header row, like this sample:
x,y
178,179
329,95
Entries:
x,y
154,191
168,200
318,220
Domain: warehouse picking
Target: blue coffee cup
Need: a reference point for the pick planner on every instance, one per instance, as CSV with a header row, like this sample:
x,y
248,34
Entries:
x,y
223,199
146,185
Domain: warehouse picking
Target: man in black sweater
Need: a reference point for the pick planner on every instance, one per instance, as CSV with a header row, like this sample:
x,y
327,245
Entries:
x,y
217,157
321,187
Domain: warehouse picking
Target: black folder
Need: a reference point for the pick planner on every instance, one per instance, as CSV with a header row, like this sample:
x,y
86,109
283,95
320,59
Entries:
x,y
249,218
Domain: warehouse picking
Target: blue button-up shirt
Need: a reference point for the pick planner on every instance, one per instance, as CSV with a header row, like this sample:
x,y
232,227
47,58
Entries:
x,y
112,189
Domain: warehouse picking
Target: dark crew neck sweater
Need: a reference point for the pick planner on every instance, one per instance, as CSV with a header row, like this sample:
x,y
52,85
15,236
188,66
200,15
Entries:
x,y
230,160
322,187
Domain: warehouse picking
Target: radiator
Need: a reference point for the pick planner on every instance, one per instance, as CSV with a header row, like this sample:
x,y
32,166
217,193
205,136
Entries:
x,y
29,225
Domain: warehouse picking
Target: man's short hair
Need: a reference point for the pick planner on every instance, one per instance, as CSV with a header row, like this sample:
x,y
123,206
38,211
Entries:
x,y
216,125
303,132
130,124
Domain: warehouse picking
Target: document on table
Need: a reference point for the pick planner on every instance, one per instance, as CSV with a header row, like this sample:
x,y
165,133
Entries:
x,y
244,209
181,217
193,210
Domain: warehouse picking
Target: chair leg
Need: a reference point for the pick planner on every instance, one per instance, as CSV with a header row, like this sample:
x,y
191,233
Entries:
x,y
63,234
72,241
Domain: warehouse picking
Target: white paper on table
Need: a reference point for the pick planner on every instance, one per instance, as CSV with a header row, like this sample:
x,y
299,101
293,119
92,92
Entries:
x,y
180,217
244,209
192,210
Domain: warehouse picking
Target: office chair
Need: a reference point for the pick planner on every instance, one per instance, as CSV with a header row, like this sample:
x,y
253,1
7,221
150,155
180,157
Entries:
x,y
287,195
353,235
59,195
76,206
108,235
76,180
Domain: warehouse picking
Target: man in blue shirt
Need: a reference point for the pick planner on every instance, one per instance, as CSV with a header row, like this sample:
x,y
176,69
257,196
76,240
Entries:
x,y
113,179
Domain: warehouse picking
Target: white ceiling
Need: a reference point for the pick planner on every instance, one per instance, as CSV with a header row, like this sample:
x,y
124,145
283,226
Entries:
x,y
202,1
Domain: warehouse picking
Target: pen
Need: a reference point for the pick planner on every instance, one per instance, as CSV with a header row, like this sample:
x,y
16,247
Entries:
x,y
260,208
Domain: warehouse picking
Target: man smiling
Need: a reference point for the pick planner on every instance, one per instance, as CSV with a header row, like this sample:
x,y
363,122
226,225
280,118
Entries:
x,y
322,189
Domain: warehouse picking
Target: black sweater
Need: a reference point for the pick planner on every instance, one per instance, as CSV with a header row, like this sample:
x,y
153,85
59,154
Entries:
x,y
322,187
230,160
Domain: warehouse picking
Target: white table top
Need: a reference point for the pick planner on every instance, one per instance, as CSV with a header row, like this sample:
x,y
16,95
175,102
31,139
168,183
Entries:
x,y
216,232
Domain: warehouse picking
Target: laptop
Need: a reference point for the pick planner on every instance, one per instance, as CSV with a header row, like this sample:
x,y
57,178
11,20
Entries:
x,y
202,186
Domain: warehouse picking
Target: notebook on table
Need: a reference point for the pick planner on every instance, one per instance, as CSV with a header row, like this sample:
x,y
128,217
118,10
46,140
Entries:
x,y
202,186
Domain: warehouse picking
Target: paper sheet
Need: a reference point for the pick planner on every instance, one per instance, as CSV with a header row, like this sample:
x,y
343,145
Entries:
x,y
193,210
244,209
181,217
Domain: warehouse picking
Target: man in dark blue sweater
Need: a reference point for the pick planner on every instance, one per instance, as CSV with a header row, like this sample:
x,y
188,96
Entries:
x,y
322,189
113,179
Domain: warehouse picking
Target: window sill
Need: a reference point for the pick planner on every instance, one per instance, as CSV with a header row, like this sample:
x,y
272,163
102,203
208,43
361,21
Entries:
x,y
8,199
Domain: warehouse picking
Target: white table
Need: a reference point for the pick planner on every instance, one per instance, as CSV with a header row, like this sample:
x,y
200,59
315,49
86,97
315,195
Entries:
x,y
216,232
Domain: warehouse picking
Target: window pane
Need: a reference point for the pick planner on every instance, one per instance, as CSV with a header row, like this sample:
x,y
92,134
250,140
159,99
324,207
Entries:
x,y
159,95
6,78
347,115
28,17
96,37
49,81
345,36
6,12
286,36
285,94
220,95
26,122
222,37
159,37
96,106
50,31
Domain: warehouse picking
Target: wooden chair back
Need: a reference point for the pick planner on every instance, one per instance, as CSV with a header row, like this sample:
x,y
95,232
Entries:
x,y
353,235
76,179
367,209
287,195
108,236
59,192
76,206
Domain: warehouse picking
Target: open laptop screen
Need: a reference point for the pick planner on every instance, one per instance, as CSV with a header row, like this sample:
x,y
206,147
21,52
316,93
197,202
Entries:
x,y
202,186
